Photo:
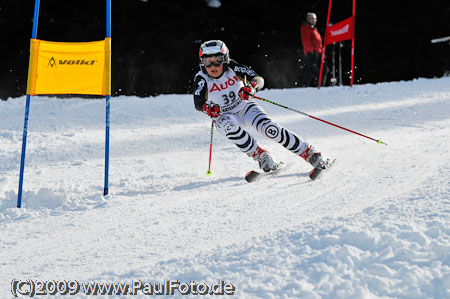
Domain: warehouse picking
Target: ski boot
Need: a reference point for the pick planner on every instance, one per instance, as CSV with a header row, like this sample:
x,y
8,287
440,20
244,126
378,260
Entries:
x,y
313,157
264,159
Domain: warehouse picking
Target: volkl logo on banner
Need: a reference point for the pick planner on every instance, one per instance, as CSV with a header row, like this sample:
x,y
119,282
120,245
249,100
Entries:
x,y
51,62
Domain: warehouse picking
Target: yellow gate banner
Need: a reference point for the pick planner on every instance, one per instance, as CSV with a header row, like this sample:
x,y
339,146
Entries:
x,y
70,68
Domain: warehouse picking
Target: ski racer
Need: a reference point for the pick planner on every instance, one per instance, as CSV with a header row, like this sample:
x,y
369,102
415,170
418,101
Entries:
x,y
224,89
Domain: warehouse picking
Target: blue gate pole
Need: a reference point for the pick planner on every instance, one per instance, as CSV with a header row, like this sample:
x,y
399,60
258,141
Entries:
x,y
105,190
27,112
108,34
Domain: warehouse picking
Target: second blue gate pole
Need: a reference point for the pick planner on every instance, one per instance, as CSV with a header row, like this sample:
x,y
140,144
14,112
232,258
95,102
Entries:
x,y
108,97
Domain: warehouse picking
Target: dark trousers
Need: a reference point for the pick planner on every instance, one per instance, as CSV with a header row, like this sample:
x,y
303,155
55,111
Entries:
x,y
311,76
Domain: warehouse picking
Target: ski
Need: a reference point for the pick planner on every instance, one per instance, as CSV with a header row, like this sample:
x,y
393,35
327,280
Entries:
x,y
316,173
253,175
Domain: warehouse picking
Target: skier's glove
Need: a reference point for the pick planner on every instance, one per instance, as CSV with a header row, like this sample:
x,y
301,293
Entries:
x,y
247,92
213,110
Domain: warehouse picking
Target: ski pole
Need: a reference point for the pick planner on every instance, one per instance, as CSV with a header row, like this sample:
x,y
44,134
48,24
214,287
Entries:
x,y
210,147
316,118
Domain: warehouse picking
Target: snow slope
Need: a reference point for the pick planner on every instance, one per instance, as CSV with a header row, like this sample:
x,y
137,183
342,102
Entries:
x,y
377,226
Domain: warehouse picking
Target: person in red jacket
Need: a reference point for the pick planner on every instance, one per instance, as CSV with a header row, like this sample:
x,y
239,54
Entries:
x,y
312,48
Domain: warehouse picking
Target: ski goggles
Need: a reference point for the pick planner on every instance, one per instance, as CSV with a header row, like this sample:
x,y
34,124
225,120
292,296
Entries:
x,y
213,61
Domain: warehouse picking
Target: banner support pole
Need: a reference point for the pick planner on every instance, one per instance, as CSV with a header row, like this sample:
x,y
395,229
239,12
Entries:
x,y
108,35
353,47
27,112
324,46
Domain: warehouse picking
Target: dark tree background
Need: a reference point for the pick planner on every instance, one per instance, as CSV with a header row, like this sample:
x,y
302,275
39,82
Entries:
x,y
155,42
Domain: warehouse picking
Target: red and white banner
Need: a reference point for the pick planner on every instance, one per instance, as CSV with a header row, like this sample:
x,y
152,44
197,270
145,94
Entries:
x,y
340,31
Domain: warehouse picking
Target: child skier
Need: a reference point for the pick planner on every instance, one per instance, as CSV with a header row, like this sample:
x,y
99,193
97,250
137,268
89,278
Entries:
x,y
224,89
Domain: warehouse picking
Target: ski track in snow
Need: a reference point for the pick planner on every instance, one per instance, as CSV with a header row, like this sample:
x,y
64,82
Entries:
x,y
376,226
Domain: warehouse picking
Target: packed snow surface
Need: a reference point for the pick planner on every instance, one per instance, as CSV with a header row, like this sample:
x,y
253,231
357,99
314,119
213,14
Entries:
x,y
376,226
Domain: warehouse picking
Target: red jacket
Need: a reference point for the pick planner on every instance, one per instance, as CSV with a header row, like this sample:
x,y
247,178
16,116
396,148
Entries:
x,y
311,40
